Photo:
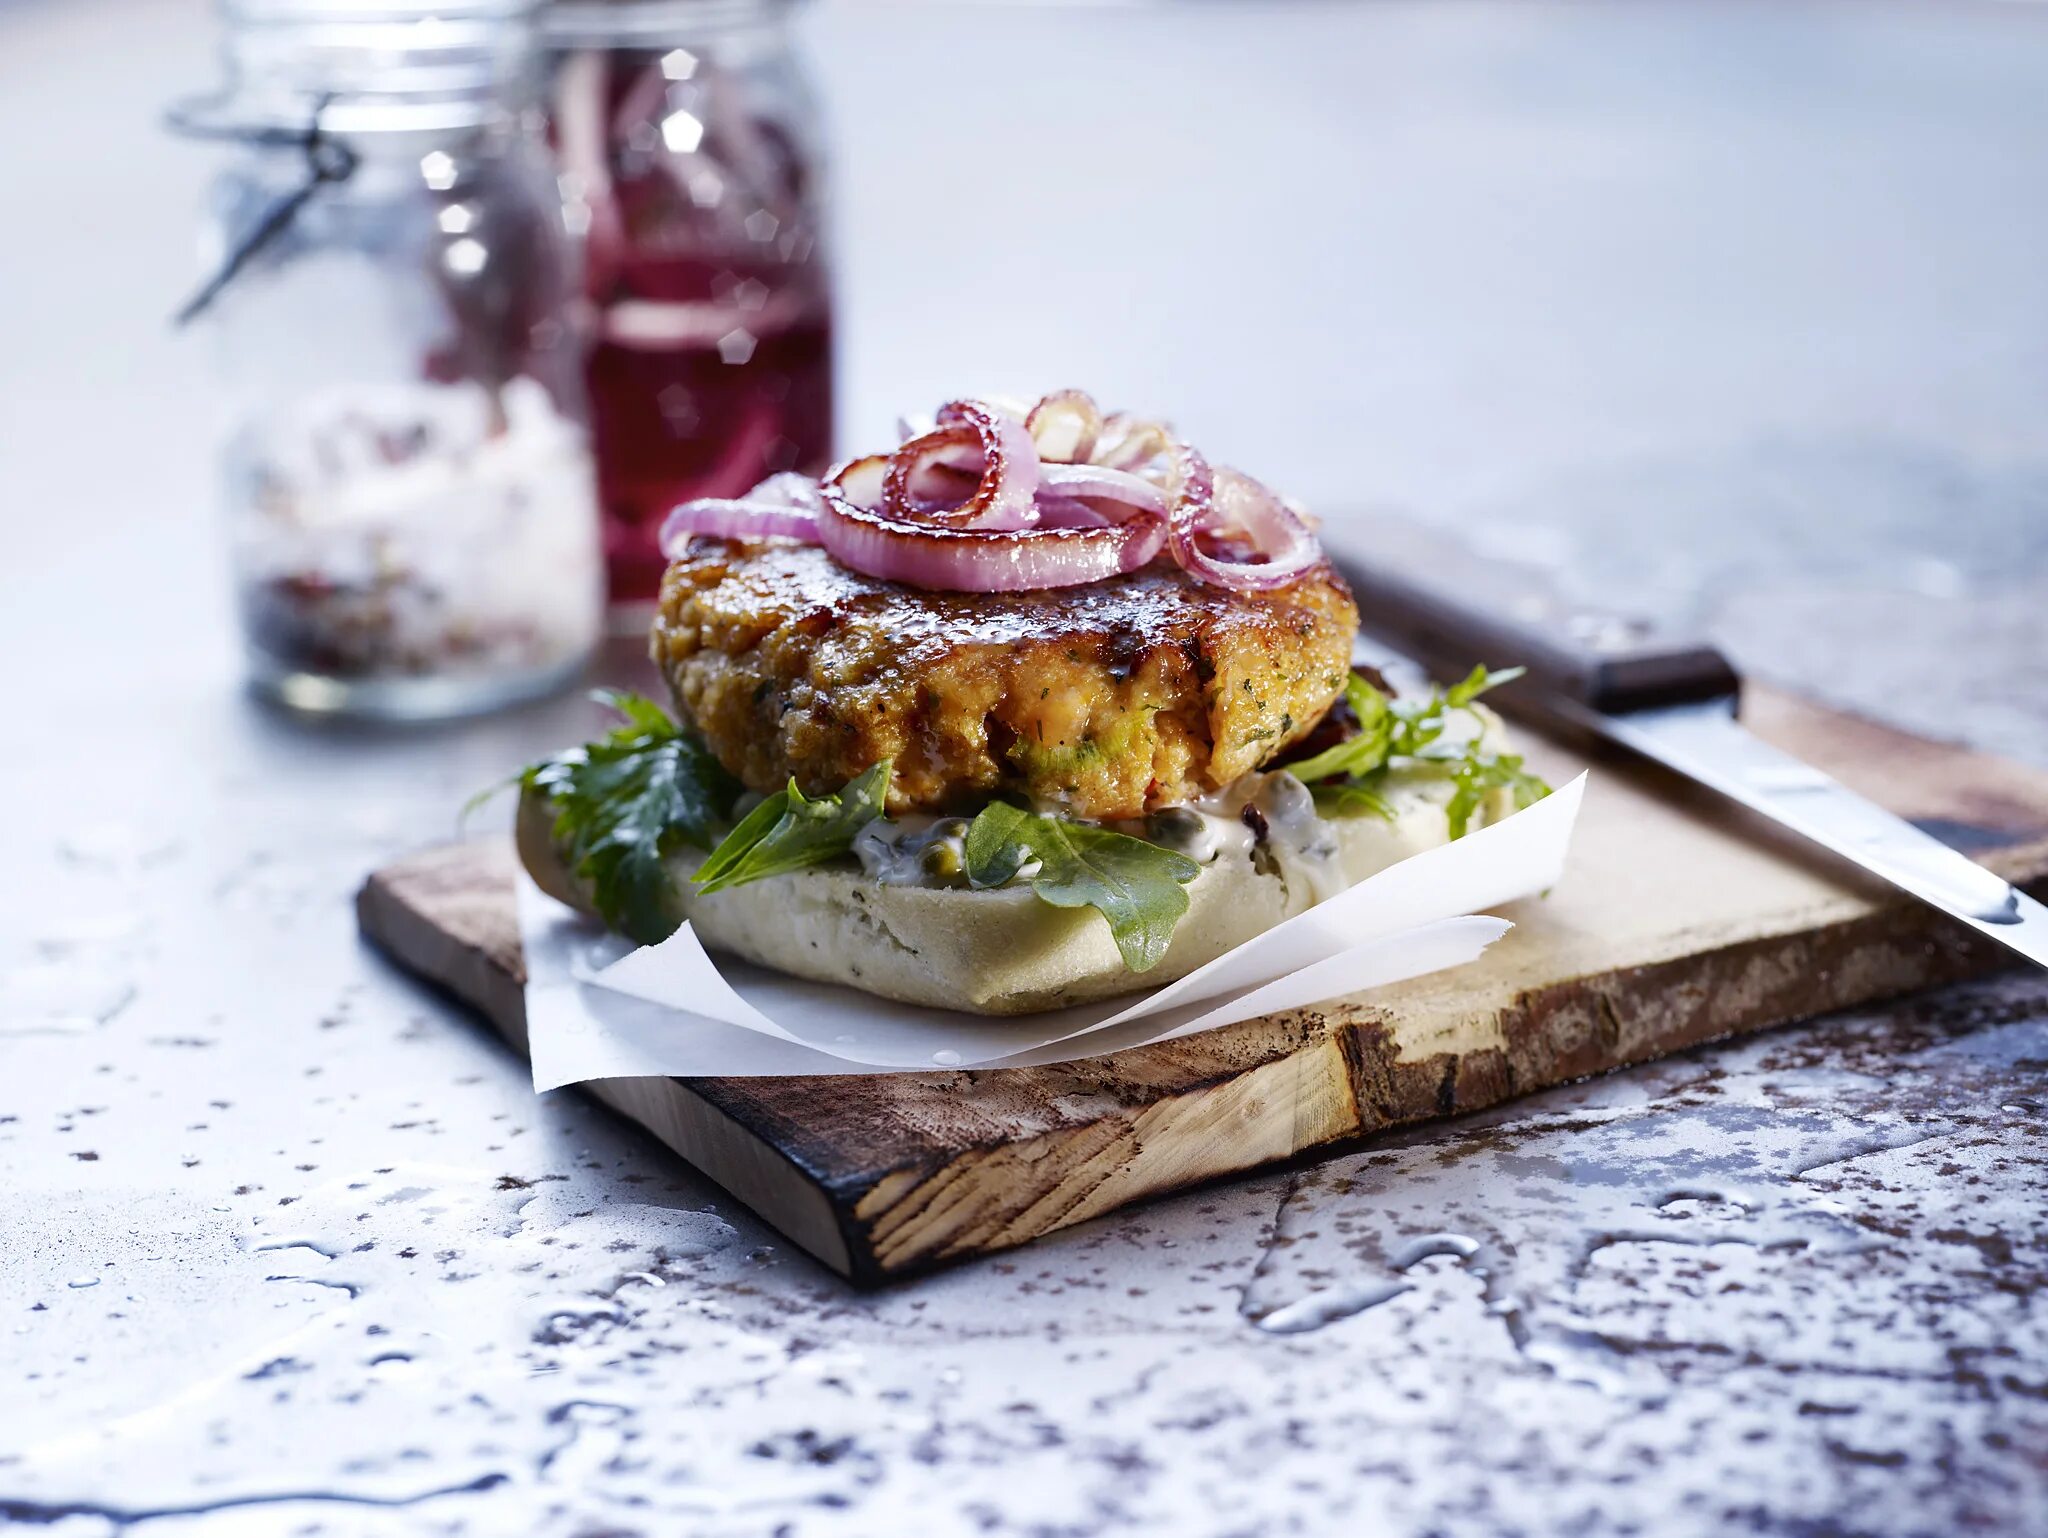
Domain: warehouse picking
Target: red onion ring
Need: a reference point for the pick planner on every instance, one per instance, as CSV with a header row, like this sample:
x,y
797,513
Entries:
x,y
1127,442
861,480
785,506
735,518
1208,503
1064,426
1061,512
969,506
789,488
926,475
1194,499
870,540
1009,470
1099,481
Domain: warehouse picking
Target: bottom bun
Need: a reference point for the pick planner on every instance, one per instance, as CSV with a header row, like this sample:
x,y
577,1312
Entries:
x,y
1005,952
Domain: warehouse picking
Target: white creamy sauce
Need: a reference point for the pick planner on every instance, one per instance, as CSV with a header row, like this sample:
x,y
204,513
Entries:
x,y
1266,819
1303,843
1205,832
1275,817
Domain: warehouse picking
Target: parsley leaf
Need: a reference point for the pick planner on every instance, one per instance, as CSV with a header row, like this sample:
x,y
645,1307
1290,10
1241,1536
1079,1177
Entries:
x,y
789,832
1407,734
1134,885
624,802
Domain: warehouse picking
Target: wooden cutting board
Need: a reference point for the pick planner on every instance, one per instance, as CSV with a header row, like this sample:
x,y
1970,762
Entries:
x,y
1681,919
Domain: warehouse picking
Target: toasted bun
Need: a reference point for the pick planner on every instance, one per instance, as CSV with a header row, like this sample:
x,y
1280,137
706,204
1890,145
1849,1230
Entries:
x,y
1002,952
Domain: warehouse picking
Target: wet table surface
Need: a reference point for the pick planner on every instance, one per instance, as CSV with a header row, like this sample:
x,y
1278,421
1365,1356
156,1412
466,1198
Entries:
x,y
1737,311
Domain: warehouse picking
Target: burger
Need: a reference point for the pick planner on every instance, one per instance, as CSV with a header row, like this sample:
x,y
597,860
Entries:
x,y
1036,709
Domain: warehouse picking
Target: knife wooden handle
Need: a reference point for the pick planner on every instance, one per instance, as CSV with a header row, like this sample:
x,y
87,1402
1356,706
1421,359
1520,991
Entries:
x,y
1448,609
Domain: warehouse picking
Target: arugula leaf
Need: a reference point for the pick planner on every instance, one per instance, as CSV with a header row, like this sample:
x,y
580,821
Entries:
x,y
1477,682
1134,885
1352,798
1363,753
624,802
745,836
994,847
790,832
1476,777
1406,734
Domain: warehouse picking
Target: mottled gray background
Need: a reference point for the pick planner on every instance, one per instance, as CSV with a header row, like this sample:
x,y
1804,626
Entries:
x,y
1735,313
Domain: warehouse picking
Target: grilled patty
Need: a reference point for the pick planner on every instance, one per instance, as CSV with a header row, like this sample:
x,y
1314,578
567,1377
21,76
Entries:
x,y
1109,700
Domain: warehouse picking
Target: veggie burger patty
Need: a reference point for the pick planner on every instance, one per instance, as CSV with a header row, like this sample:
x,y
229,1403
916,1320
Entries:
x,y
1108,701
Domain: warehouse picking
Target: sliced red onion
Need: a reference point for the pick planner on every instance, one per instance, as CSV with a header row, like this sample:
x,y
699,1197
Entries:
x,y
1058,512
1099,481
785,506
870,540
1009,458
969,507
1126,442
1209,503
936,476
860,480
1009,470
1194,498
736,518
788,488
1064,426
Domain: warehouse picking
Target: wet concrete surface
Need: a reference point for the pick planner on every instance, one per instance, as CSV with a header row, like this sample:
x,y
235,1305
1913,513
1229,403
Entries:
x,y
286,1269
288,1246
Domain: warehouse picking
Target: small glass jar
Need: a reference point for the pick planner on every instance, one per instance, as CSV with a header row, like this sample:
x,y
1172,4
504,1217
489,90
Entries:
x,y
407,465
688,150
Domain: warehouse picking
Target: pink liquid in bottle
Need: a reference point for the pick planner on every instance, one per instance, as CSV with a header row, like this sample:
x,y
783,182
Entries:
x,y
710,361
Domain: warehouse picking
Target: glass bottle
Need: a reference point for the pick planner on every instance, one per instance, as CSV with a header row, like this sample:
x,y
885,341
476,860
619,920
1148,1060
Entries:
x,y
688,151
407,466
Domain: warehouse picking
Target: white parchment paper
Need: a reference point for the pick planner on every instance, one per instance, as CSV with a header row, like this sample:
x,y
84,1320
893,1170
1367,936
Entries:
x,y
597,1008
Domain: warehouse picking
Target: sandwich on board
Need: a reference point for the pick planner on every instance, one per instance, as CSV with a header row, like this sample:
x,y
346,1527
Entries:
x,y
1036,709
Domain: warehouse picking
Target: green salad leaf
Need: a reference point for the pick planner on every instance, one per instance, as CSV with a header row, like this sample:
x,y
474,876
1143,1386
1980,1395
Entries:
x,y
1407,734
790,832
627,800
1136,886
1352,798
1477,682
1477,776
1359,755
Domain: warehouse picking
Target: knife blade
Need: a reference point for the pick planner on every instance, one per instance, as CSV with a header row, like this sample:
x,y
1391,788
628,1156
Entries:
x,y
1669,699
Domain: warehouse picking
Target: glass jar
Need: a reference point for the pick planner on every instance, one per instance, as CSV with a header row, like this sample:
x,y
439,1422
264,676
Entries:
x,y
407,464
687,146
